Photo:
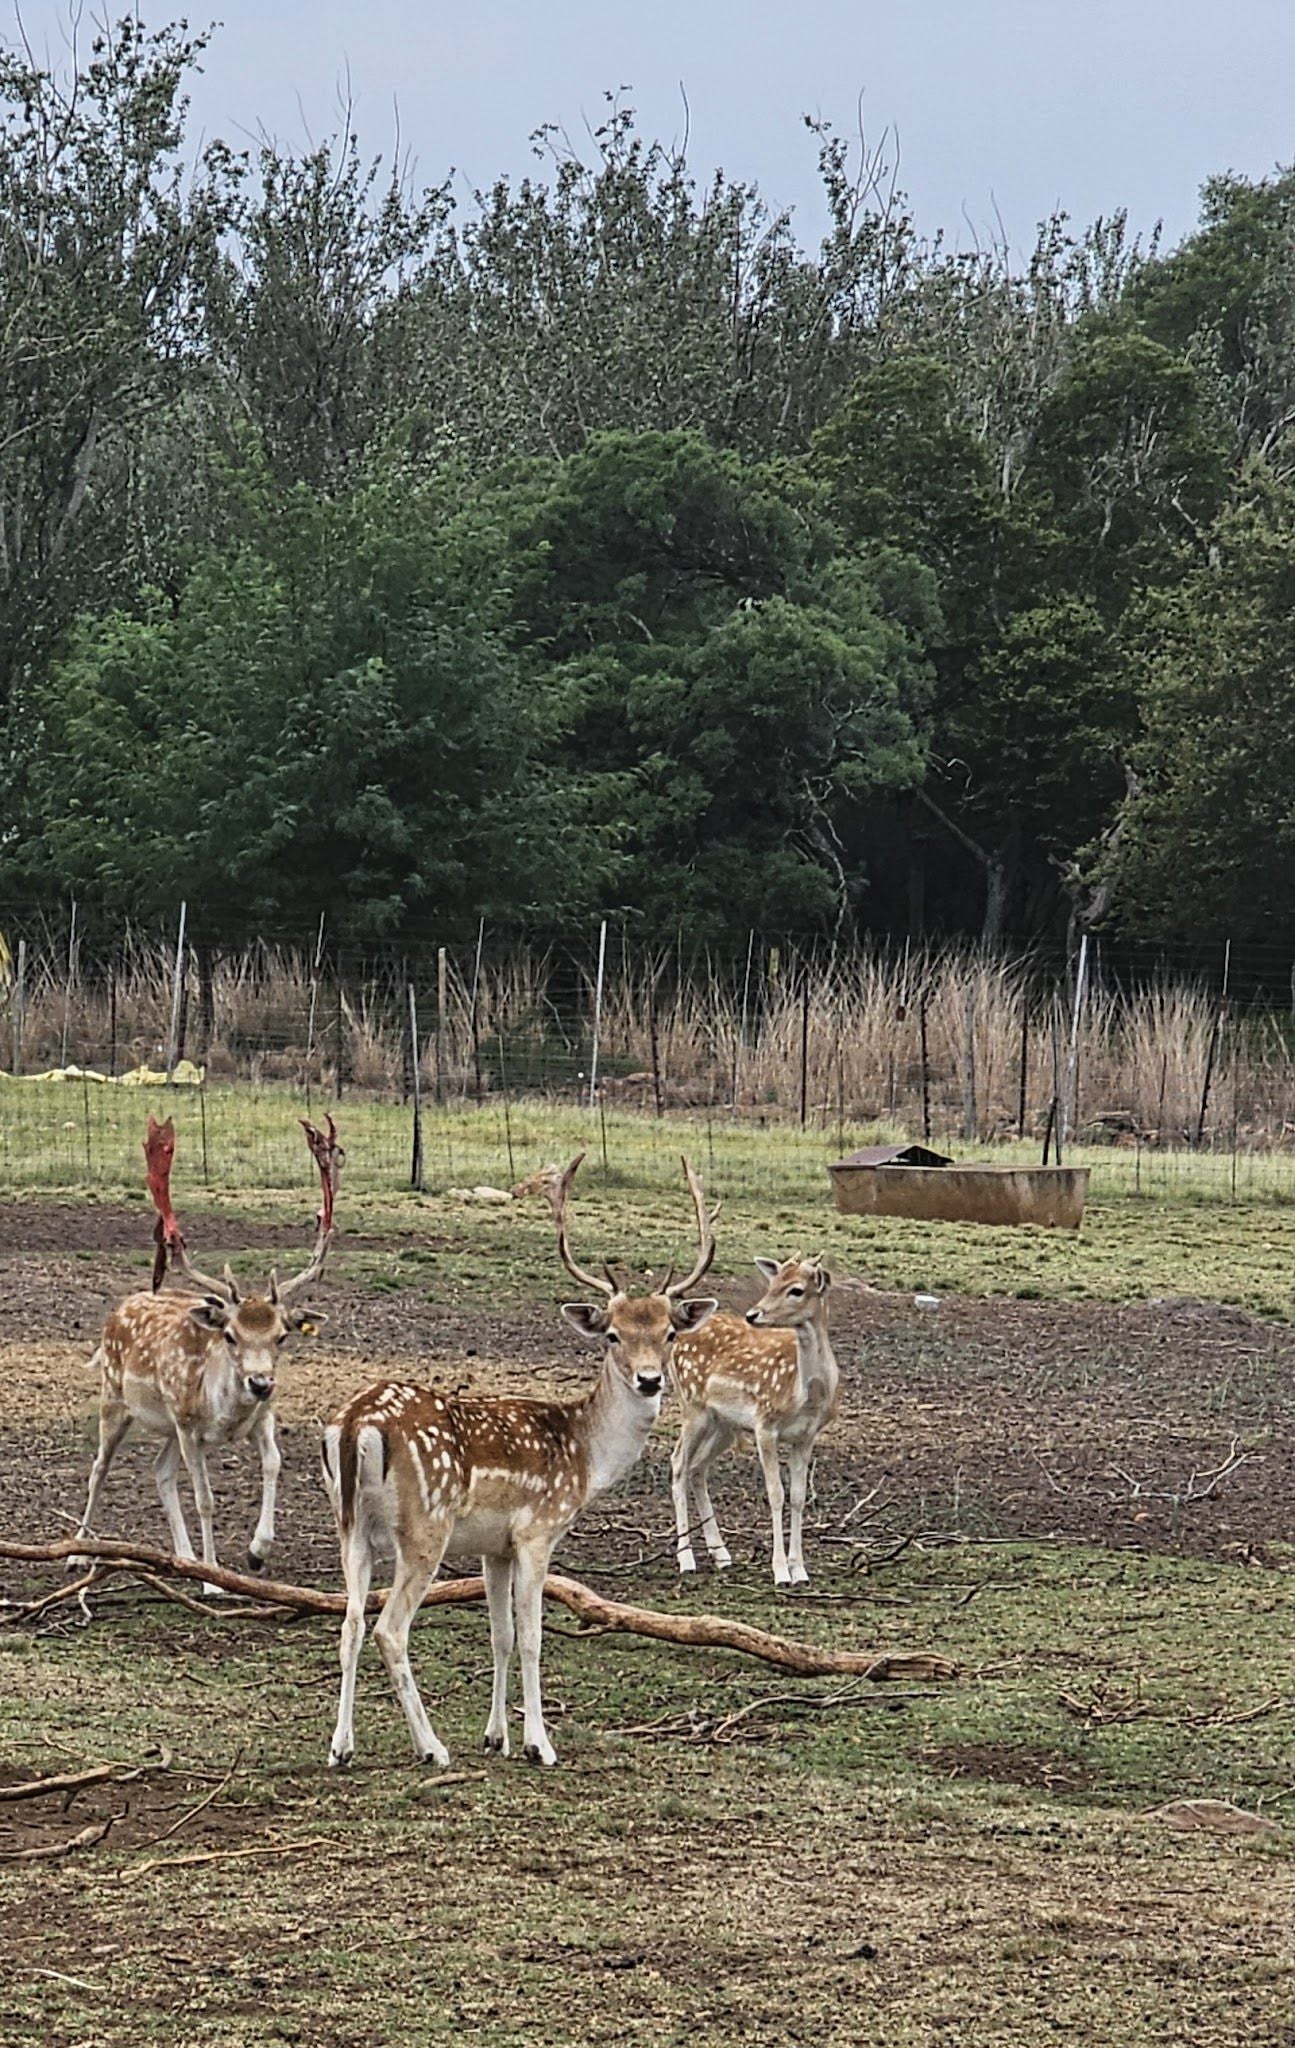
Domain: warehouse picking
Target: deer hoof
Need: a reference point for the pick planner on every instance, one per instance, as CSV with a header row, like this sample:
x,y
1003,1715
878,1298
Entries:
x,y
782,1578
535,1755
687,1562
339,1759
799,1576
495,1745
721,1559
255,1563
438,1758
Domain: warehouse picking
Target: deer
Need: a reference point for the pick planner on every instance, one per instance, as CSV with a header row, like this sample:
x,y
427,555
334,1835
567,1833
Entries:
x,y
425,1473
197,1369
772,1375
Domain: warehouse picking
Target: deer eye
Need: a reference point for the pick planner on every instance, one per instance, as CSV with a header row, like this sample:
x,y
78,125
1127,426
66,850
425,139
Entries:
x,y
795,1290
230,1339
282,1337
613,1337
670,1336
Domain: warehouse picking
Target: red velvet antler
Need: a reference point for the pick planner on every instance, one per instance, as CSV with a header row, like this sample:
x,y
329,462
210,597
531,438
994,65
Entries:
x,y
159,1151
328,1156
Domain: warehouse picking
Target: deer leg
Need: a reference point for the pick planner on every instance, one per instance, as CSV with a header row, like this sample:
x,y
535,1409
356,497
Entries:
x,y
114,1421
498,1574
166,1468
692,1449
195,1458
357,1570
413,1575
528,1597
766,1444
267,1444
798,1460
717,1441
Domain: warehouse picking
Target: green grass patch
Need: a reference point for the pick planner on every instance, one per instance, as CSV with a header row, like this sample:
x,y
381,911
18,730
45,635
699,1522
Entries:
x,y
1162,1225
721,1850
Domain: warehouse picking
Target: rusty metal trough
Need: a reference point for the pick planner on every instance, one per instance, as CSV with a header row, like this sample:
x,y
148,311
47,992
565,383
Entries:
x,y
913,1181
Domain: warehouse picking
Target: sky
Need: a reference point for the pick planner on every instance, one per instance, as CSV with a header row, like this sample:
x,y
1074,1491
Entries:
x,y
1001,110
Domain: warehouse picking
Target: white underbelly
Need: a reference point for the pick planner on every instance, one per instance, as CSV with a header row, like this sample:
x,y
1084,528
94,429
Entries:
x,y
485,1533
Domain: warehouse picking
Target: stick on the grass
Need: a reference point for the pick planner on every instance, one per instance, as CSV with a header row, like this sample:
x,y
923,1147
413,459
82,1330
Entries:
x,y
48,1851
700,1631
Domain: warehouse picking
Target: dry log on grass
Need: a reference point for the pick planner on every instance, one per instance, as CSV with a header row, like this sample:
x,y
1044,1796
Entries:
x,y
696,1631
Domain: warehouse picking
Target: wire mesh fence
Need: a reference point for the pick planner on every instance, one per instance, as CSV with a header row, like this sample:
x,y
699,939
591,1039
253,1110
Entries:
x,y
1170,1078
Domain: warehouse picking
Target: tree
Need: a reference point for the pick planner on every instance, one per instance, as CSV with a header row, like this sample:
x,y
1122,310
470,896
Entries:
x,y
733,690
1206,846
329,718
311,323
105,244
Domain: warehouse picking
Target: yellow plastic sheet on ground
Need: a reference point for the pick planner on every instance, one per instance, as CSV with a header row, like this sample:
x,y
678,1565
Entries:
x,y
186,1075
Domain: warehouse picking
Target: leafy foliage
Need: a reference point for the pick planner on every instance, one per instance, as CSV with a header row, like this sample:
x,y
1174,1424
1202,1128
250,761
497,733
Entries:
x,y
602,549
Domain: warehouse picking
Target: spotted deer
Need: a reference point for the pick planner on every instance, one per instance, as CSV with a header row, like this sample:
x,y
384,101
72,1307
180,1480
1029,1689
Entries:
x,y
772,1375
197,1370
424,1473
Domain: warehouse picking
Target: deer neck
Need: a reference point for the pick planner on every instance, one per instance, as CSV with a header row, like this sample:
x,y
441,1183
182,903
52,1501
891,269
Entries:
x,y
815,1358
614,1425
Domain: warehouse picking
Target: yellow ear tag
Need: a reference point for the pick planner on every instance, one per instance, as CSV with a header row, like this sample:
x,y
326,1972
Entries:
x,y
307,1329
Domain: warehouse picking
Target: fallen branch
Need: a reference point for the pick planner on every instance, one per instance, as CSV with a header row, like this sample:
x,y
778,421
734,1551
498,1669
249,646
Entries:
x,y
716,1632
699,1631
49,1850
70,1781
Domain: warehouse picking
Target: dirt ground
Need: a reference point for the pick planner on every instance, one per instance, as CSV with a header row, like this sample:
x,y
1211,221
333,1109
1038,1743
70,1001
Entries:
x,y
973,1866
1160,1426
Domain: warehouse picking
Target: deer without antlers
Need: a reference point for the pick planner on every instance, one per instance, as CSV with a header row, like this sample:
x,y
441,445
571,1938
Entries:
x,y
197,1369
430,1473
772,1374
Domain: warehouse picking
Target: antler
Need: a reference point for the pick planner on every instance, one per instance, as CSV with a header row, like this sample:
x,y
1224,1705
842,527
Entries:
x,y
159,1151
672,1289
329,1158
557,1194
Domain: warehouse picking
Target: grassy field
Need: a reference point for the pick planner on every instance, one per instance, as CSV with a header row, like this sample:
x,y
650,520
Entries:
x,y
1163,1224
722,1853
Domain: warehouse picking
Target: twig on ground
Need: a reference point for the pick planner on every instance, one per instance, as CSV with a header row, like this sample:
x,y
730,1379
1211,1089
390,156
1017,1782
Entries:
x,y
48,1851
1054,1483
271,1611
59,1977
201,1806
71,1781
223,1856
28,1610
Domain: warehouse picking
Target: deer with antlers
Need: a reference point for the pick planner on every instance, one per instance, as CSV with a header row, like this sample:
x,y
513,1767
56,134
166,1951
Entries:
x,y
773,1375
197,1369
425,1473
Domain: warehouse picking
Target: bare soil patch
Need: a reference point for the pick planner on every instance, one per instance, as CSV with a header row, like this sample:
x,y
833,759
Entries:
x,y
1155,1426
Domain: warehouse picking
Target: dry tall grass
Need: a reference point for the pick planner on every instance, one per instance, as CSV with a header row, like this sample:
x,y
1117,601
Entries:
x,y
728,1040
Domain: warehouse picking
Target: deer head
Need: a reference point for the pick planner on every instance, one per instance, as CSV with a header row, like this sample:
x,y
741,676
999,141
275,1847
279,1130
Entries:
x,y
637,1332
255,1325
794,1294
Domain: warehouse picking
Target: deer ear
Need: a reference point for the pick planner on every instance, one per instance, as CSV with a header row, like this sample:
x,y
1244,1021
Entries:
x,y
307,1320
589,1317
210,1314
691,1314
769,1268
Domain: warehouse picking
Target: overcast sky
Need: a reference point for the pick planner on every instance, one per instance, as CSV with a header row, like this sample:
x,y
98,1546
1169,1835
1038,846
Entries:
x,y
1009,105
